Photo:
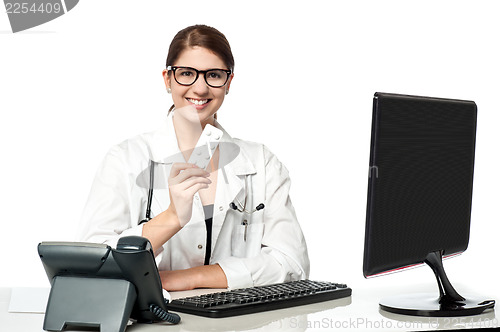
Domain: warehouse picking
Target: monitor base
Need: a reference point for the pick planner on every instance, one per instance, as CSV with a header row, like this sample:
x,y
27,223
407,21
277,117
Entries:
x,y
427,305
449,303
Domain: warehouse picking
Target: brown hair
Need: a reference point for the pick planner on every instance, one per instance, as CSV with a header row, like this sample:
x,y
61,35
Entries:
x,y
202,36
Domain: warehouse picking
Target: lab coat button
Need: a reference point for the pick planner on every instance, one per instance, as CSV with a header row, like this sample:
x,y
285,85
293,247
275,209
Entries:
x,y
200,246
221,208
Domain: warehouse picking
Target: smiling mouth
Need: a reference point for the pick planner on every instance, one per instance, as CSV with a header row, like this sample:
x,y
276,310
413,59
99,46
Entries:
x,y
198,102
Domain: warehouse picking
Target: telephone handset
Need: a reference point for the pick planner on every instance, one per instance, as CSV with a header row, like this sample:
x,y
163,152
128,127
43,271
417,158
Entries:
x,y
94,285
134,254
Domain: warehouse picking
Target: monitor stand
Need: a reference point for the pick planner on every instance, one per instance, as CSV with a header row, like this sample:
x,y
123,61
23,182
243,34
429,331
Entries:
x,y
449,303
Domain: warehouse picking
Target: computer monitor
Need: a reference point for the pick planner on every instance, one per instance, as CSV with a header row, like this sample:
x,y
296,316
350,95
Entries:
x,y
419,195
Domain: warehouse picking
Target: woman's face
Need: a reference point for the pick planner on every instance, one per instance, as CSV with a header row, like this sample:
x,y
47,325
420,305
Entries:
x,y
198,96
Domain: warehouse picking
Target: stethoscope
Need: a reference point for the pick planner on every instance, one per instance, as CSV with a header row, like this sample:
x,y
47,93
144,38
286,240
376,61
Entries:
x,y
242,207
150,192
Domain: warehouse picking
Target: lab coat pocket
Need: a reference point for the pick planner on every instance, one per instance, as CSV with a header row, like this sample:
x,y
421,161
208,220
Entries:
x,y
246,240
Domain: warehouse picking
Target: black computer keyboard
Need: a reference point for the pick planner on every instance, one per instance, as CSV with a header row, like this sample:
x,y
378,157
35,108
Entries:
x,y
262,298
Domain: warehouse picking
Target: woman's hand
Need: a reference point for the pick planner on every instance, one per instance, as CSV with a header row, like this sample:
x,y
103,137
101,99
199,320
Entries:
x,y
183,182
204,276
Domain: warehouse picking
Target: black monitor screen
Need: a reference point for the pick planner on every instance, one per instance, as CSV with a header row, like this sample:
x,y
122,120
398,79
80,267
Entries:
x,y
420,180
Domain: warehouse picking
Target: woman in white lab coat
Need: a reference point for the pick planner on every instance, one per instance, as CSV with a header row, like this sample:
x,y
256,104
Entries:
x,y
205,229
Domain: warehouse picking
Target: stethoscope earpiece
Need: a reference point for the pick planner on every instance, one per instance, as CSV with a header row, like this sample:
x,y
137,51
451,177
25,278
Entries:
x,y
233,206
243,208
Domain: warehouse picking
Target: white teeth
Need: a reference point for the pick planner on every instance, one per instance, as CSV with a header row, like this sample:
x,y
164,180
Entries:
x,y
198,102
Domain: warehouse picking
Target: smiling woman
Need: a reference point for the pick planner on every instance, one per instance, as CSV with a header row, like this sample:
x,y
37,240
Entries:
x,y
188,90
205,38
202,235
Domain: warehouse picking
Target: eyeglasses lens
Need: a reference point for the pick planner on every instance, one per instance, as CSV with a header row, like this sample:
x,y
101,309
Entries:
x,y
216,78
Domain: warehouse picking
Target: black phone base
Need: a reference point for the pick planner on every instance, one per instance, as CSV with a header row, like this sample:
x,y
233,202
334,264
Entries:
x,y
89,302
448,304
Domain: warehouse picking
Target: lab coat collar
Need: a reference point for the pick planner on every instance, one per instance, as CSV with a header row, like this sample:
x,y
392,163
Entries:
x,y
242,164
230,180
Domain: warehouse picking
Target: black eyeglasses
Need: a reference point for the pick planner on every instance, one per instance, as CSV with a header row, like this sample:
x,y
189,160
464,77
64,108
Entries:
x,y
186,76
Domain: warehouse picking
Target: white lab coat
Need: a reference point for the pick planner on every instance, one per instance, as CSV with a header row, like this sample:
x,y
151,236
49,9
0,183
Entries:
x,y
271,249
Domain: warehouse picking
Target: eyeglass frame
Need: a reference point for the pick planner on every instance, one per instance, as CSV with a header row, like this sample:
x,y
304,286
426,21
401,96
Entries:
x,y
204,72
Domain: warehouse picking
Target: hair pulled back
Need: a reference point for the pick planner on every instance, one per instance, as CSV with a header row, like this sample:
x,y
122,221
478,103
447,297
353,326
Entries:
x,y
202,36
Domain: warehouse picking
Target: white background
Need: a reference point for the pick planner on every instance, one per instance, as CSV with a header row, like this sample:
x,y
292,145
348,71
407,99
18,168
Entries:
x,y
304,80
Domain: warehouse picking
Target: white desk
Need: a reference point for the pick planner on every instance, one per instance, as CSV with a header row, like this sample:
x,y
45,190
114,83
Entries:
x,y
359,312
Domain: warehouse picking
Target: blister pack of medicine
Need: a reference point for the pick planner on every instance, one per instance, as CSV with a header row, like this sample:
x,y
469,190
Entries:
x,y
206,146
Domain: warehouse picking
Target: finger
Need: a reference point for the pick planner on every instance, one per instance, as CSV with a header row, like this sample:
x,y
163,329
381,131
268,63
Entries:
x,y
190,182
179,167
189,173
195,188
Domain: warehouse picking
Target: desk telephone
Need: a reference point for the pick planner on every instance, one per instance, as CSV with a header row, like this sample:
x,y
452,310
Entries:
x,y
94,285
